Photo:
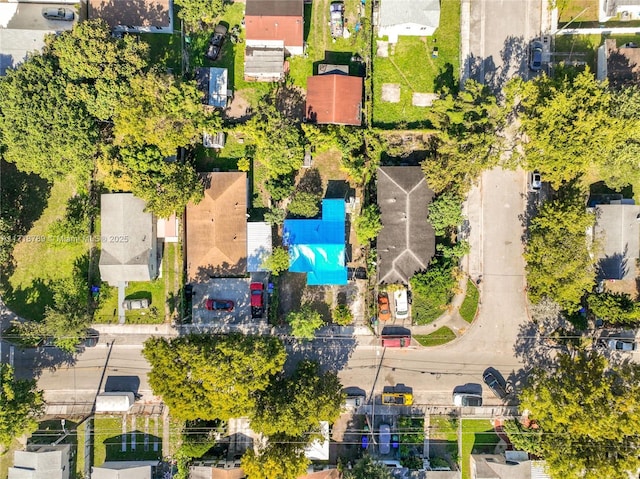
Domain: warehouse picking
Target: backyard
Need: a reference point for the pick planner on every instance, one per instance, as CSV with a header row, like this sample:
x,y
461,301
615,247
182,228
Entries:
x,y
413,65
583,48
443,441
127,438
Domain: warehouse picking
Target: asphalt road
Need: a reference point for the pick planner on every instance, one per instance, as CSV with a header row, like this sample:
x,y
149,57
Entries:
x,y
499,35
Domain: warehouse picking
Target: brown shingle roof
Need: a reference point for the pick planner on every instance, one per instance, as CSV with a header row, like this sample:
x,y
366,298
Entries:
x,y
137,13
334,99
217,228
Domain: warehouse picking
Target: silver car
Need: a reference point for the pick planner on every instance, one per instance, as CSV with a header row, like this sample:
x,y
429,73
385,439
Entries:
x,y
133,304
55,13
384,443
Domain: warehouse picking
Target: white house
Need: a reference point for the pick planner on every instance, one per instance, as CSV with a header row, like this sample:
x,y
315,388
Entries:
x,y
417,18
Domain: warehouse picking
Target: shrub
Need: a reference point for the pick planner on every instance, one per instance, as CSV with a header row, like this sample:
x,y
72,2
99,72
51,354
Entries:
x,y
342,315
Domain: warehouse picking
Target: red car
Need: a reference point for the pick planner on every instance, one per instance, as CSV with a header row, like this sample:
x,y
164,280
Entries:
x,y
219,305
257,300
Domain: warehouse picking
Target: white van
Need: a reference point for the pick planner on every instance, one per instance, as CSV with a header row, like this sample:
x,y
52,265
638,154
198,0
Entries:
x,y
401,304
353,402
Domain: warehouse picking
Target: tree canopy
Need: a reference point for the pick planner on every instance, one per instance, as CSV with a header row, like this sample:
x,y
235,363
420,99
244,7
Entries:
x,y
576,126
559,263
278,261
197,12
445,213
615,308
466,142
282,460
367,468
20,403
587,411
294,406
305,322
212,377
368,224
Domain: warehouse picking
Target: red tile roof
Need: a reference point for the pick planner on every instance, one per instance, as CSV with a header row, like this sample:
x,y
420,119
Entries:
x,y
334,99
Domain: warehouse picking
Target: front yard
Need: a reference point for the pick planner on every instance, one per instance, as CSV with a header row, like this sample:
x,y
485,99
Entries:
x,y
412,65
478,437
127,438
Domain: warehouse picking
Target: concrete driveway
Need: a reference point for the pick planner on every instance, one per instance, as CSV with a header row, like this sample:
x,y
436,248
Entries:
x,y
233,289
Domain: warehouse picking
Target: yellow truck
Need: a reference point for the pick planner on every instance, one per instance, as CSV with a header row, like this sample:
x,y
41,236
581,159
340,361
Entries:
x,y
397,399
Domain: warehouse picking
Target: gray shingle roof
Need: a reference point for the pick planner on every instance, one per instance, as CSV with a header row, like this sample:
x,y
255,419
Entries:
x,y
421,12
406,243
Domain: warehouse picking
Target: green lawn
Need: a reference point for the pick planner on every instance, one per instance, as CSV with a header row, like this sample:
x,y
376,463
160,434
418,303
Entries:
x,y
583,48
39,262
443,430
470,304
440,336
583,10
416,70
165,50
108,439
154,291
477,438
224,160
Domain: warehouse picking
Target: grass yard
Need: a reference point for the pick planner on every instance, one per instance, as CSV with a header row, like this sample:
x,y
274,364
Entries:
x,y
583,48
470,304
413,67
208,159
443,439
38,262
478,437
154,291
165,50
583,10
111,445
440,336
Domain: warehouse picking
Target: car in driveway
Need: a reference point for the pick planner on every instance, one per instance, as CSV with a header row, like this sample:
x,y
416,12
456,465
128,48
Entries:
x,y
384,309
496,383
55,13
215,42
402,304
219,305
257,300
336,15
134,304
384,441
622,345
535,56
467,400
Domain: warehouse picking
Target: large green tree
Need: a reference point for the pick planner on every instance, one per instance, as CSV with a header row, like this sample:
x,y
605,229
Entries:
x,y
295,405
212,377
44,128
279,144
559,263
99,66
588,412
367,468
368,224
20,404
281,460
573,128
615,308
162,112
466,142
445,213
196,13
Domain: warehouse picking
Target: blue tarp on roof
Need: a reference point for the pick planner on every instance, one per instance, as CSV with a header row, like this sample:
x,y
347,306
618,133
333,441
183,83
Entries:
x,y
317,247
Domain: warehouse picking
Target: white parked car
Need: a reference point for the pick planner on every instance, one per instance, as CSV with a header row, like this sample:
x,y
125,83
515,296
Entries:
x,y
401,304
622,345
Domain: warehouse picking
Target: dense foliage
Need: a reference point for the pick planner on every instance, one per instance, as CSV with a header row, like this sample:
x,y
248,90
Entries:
x,y
20,403
282,460
304,322
559,263
445,213
432,291
588,411
367,468
368,224
278,261
576,126
466,142
614,308
198,376
196,13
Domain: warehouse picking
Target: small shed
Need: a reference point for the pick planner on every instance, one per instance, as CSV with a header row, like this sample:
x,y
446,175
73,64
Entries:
x,y
264,62
114,401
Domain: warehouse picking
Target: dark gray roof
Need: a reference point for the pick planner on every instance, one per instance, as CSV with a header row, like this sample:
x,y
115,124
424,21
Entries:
x,y
617,231
274,8
263,60
406,243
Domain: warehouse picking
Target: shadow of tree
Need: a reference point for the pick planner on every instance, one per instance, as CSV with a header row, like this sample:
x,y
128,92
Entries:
x,y
311,182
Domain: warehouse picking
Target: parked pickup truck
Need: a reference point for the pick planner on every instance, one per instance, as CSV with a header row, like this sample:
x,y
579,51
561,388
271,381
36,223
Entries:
x,y
397,399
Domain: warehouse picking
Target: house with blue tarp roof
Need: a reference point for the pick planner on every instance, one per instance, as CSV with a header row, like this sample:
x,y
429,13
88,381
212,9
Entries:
x,y
317,246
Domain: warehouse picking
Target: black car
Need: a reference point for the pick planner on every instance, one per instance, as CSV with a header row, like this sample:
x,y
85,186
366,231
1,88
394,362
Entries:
x,y
215,42
497,384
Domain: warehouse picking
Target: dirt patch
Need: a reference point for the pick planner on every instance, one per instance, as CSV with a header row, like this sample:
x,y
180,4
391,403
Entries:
x,y
291,101
239,108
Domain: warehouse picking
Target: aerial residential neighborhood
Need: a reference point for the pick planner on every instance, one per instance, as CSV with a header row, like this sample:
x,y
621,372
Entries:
x,y
319,239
